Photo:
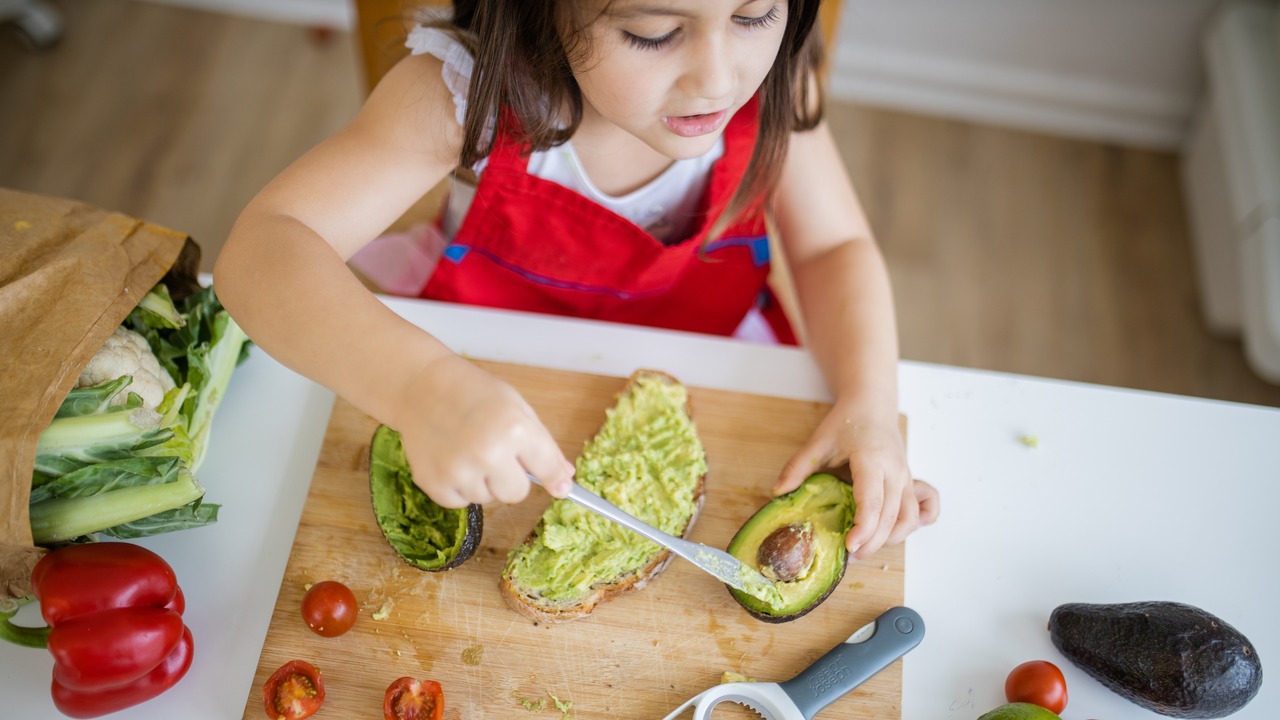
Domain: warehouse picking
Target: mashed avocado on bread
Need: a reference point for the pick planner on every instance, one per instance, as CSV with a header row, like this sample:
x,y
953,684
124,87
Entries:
x,y
647,460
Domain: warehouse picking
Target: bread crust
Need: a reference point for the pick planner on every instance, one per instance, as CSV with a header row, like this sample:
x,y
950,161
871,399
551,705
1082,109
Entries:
x,y
544,611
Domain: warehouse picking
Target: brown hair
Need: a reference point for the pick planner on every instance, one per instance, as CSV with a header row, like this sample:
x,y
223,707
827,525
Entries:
x,y
524,67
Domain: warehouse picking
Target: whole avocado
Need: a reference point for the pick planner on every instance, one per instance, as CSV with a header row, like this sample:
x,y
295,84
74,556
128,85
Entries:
x,y
1020,711
1168,657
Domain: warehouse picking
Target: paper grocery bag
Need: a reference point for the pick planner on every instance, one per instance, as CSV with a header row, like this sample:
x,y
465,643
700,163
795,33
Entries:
x,y
70,273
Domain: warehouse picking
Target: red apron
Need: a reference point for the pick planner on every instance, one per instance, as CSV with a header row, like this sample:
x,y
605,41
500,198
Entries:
x,y
528,243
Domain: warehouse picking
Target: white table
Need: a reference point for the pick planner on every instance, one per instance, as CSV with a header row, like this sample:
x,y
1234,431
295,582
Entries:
x,y
1128,496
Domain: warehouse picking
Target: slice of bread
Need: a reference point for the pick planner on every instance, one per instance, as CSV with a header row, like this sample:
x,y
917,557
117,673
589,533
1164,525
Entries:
x,y
646,459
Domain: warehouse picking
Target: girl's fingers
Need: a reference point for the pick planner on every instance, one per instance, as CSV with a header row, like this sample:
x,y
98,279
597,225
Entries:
x,y
544,461
508,485
447,497
804,463
908,518
929,500
884,524
869,497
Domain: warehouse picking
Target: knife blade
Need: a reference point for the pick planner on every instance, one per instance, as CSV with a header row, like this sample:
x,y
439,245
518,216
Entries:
x,y
720,564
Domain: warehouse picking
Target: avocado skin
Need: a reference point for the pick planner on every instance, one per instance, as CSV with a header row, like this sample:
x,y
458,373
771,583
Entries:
x,y
1171,658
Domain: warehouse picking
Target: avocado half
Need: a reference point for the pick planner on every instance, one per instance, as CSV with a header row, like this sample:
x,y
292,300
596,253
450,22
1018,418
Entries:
x,y
802,534
424,534
1171,658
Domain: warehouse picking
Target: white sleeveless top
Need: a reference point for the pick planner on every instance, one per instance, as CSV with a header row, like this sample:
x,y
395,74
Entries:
x,y
666,207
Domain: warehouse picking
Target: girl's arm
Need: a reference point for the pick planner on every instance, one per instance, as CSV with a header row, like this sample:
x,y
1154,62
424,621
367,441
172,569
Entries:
x,y
282,275
843,289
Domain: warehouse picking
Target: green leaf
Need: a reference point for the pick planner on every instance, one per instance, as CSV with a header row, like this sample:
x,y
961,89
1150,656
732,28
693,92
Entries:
x,y
107,476
94,438
156,310
223,358
62,519
196,514
97,398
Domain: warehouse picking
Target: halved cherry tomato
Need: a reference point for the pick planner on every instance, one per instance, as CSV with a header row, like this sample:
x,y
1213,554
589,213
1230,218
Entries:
x,y
410,699
329,608
293,692
1038,682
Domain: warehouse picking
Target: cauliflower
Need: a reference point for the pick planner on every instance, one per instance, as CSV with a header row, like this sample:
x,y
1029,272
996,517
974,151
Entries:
x,y
127,353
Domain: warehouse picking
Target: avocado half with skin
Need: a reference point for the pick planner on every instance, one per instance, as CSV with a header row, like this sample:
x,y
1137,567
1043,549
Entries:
x,y
797,542
424,534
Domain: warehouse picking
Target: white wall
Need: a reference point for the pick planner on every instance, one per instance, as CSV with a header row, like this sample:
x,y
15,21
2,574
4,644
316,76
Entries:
x,y
338,14
1126,71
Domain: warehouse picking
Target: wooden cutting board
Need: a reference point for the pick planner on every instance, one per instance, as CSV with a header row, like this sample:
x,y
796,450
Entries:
x,y
639,656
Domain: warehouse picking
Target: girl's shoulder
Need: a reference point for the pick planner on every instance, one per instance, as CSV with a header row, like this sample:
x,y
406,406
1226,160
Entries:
x,y
413,106
456,61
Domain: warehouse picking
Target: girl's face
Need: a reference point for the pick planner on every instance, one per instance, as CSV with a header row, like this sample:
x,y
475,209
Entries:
x,y
672,72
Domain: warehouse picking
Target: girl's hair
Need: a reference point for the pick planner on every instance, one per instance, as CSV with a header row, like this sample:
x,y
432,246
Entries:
x,y
526,70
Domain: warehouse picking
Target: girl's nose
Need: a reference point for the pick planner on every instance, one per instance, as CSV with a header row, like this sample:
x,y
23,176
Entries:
x,y
709,73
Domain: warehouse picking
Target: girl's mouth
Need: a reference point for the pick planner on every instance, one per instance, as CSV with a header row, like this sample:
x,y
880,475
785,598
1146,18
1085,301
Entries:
x,y
695,125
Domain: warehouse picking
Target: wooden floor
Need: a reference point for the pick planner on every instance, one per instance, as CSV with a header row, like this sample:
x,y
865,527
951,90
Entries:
x,y
1009,251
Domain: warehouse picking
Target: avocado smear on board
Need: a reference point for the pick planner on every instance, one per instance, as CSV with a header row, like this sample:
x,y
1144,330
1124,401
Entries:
x,y
424,534
819,513
647,460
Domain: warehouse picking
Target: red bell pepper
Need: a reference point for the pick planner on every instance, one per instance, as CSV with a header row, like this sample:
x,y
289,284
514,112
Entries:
x,y
115,626
82,579
111,648
77,704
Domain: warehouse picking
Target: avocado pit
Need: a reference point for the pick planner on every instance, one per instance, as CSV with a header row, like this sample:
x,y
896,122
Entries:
x,y
787,553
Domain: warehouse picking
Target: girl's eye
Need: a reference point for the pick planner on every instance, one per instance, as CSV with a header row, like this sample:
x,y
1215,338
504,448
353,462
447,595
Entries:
x,y
656,43
649,43
760,21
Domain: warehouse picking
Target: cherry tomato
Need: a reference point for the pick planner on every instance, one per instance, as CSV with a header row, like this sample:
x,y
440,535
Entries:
x,y
1038,682
293,692
409,699
329,608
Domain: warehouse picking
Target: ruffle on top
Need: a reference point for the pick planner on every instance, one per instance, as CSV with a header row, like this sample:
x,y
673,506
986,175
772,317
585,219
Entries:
x,y
458,63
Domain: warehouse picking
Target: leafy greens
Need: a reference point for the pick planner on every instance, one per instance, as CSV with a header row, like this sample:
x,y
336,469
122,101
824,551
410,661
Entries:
x,y
126,470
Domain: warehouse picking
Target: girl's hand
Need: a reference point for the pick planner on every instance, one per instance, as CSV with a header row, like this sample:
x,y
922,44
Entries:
x,y
890,506
470,437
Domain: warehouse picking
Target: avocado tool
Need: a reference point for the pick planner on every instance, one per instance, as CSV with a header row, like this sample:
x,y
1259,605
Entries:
x,y
725,567
874,647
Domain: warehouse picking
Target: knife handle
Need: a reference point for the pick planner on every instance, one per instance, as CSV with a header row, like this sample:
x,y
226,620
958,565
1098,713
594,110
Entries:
x,y
853,662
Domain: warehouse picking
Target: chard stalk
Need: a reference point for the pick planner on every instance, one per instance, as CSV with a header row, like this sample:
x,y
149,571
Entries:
x,y
62,519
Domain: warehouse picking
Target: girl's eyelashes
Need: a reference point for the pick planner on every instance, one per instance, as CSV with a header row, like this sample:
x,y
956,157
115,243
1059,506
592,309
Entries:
x,y
761,21
656,43
648,43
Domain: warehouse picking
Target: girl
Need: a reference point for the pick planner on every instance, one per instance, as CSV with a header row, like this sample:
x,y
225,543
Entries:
x,y
626,152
